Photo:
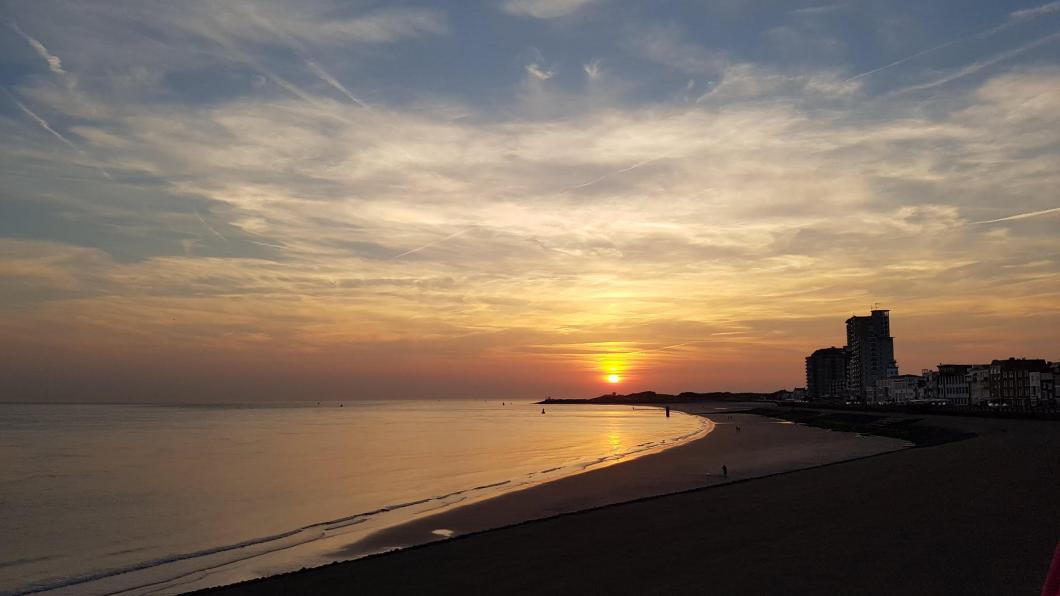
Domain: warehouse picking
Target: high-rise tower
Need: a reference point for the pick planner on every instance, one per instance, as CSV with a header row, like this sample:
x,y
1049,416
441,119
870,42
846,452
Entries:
x,y
870,351
826,373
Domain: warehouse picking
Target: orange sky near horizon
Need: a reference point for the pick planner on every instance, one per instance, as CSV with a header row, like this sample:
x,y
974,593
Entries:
x,y
162,364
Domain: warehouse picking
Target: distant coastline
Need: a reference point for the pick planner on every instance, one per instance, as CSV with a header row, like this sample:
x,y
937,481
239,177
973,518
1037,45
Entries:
x,y
653,398
777,397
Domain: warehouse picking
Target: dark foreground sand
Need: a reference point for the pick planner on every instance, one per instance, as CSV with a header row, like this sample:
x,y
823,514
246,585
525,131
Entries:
x,y
979,516
749,446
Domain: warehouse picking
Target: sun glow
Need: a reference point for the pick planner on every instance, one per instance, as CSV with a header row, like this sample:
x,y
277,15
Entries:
x,y
613,378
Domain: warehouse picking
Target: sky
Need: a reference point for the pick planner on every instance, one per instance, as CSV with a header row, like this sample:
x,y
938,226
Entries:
x,y
241,201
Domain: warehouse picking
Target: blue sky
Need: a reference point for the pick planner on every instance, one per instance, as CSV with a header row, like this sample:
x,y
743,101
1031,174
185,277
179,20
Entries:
x,y
556,188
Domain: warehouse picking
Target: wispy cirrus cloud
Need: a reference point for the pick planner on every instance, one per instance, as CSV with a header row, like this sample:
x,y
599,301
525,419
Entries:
x,y
384,25
1035,12
751,82
667,45
40,121
315,22
593,69
979,65
55,64
47,127
539,72
544,9
1014,18
326,77
821,9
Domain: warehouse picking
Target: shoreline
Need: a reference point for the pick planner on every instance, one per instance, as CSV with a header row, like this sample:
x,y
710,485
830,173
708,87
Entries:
x,y
909,521
693,465
270,555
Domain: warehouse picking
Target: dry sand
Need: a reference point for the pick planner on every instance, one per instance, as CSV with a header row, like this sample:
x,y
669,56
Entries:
x,y
760,447
980,516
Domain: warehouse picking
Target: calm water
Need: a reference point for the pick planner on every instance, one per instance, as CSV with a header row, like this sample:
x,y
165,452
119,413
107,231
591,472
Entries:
x,y
96,499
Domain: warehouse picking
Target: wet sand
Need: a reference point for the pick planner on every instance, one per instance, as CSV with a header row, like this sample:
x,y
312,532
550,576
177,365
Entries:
x,y
749,446
979,516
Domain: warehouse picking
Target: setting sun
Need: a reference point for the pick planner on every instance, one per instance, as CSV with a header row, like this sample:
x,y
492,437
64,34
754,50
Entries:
x,y
613,378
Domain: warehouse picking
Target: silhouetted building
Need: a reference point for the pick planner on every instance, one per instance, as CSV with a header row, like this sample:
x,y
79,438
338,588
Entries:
x,y
979,385
826,373
950,384
897,389
1022,382
870,352
796,394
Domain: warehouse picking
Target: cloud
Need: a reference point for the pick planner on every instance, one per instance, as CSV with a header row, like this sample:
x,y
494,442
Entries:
x,y
40,121
300,49
592,69
312,22
47,127
666,45
440,229
54,63
538,72
326,77
430,244
1035,12
751,82
1014,19
629,168
975,67
207,225
544,9
307,182
383,26
820,9
1020,216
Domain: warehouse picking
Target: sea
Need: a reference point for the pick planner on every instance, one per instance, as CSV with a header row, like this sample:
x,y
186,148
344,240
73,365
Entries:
x,y
162,499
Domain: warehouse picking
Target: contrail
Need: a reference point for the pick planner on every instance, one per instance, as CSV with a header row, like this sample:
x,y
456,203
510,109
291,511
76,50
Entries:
x,y
663,348
287,85
914,56
205,223
298,48
617,172
1018,216
270,245
233,52
327,78
1015,18
41,121
54,63
977,66
44,124
430,244
1037,11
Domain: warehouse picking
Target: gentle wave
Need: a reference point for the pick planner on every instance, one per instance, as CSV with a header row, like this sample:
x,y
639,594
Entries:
x,y
320,530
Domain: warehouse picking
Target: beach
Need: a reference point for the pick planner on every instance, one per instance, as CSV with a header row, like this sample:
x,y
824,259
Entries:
x,y
975,516
749,446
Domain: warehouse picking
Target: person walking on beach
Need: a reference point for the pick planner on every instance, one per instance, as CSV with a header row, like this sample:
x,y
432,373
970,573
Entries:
x,y
724,470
